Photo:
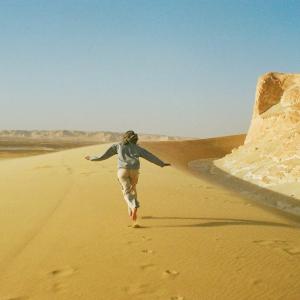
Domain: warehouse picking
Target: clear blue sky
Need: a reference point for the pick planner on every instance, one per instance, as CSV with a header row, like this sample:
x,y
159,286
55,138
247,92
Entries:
x,y
173,67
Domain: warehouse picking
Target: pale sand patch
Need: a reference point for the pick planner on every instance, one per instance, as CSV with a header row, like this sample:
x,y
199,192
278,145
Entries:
x,y
64,234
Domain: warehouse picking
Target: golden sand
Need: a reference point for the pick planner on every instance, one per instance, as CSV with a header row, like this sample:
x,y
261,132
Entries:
x,y
64,233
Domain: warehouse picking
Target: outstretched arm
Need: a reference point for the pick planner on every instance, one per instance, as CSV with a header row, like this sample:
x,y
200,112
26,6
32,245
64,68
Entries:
x,y
107,154
152,158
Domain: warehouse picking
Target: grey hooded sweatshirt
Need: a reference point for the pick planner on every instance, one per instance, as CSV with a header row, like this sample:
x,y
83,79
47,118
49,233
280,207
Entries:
x,y
128,155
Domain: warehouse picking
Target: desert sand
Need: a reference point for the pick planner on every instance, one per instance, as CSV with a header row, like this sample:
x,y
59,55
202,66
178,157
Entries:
x,y
64,232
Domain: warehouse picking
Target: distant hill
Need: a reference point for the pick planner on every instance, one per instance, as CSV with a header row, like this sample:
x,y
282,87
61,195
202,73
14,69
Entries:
x,y
76,135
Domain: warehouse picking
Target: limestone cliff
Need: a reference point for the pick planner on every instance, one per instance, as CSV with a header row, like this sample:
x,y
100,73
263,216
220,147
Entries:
x,y
270,156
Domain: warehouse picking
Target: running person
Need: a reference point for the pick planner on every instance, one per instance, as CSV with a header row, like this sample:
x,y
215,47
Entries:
x,y
128,167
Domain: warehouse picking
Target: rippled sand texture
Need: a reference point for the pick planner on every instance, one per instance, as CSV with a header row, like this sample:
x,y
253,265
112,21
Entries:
x,y
64,233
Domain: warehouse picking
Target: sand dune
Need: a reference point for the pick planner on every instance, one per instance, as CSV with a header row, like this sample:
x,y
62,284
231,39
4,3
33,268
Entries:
x,y
64,232
182,152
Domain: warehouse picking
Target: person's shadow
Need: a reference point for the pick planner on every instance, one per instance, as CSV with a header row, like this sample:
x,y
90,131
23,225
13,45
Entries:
x,y
215,222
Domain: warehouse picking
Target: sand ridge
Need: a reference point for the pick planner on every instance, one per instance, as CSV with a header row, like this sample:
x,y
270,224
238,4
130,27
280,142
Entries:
x,y
64,233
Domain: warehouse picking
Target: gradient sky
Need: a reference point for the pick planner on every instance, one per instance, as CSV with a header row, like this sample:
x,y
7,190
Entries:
x,y
186,68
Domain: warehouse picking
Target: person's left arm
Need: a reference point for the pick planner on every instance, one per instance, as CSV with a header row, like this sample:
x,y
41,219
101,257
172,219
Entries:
x,y
151,157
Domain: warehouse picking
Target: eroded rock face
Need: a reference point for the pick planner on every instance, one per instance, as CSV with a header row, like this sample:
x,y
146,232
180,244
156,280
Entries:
x,y
270,156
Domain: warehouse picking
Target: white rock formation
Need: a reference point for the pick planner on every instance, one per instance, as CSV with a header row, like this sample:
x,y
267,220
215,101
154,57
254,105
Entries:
x,y
270,156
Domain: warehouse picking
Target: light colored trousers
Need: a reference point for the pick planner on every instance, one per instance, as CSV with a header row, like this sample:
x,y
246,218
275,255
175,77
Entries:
x,y
128,179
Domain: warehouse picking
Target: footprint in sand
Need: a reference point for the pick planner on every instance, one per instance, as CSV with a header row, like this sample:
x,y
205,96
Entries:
x,y
63,272
57,275
58,286
147,251
138,289
256,281
145,238
292,250
146,267
69,170
279,244
130,242
170,274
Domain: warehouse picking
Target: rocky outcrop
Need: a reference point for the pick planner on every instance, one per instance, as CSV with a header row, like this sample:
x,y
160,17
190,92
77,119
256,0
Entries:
x,y
270,156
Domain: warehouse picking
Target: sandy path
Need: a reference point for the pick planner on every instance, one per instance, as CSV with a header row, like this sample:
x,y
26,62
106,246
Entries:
x,y
64,234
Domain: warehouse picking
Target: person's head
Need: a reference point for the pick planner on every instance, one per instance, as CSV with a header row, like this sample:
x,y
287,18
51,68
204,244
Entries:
x,y
130,137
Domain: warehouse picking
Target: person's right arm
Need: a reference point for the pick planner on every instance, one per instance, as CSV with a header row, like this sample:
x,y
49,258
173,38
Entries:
x,y
112,150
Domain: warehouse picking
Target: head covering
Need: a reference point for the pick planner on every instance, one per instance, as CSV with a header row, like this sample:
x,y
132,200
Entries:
x,y
129,137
